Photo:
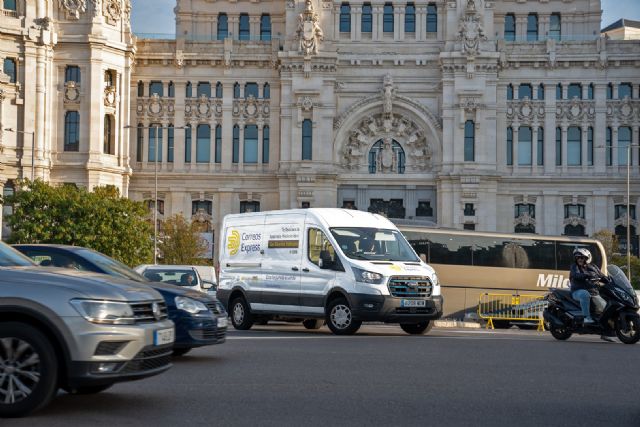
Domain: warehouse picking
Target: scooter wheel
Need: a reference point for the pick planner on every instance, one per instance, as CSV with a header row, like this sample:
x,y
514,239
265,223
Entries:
x,y
561,334
632,334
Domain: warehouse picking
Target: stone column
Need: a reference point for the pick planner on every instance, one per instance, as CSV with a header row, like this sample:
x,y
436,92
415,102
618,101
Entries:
x,y
233,22
336,22
378,26
521,26
254,27
241,147
635,151
398,26
194,144
179,134
421,22
227,125
145,143
600,128
260,134
356,19
212,144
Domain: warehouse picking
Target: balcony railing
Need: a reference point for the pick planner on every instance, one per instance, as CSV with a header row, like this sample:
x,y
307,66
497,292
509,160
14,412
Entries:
x,y
10,13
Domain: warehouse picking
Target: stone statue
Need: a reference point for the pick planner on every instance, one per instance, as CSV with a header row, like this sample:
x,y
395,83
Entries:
x,y
309,33
387,93
387,160
470,31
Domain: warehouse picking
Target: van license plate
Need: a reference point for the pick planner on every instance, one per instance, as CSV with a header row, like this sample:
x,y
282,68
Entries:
x,y
163,336
413,303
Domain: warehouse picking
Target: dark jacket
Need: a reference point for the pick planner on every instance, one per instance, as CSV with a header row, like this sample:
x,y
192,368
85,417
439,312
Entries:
x,y
583,278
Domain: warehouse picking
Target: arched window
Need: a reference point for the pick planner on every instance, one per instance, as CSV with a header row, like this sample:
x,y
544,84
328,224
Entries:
x,y
250,154
219,90
223,26
10,69
610,91
387,18
265,145
140,88
525,91
410,18
559,91
265,28
109,135
555,26
432,18
524,146
574,146
155,136
540,91
218,157
624,90
366,18
540,146
590,91
307,139
236,90
235,146
187,144
509,92
345,18
203,144
171,90
72,74
574,91
139,142
266,91
204,88
251,89
71,131
532,27
381,156
469,141
245,28
188,90
510,27
509,146
109,78
156,88
170,143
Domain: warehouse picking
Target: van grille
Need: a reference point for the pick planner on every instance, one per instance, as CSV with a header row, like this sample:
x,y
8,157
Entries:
x,y
410,287
143,312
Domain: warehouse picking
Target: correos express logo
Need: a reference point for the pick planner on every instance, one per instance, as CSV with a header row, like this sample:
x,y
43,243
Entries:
x,y
233,242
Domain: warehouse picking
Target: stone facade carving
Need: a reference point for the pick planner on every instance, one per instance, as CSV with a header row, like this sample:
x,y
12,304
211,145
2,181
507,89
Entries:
x,y
71,92
388,92
525,111
202,108
112,10
73,8
624,111
305,103
97,7
251,110
110,96
576,111
155,107
309,34
470,31
179,59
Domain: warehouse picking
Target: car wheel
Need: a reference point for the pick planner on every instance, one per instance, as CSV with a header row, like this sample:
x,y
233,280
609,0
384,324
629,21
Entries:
x,y
181,351
87,389
561,334
417,328
340,318
28,368
313,323
241,314
632,334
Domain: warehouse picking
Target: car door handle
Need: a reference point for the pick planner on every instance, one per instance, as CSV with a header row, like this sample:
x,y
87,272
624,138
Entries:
x,y
294,268
306,270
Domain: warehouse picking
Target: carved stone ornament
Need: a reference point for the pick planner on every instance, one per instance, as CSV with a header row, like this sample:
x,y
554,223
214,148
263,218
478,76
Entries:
x,y
306,103
575,221
110,97
155,107
97,7
525,111
73,8
525,220
309,34
388,93
71,92
470,31
112,10
250,110
622,221
576,110
127,13
179,59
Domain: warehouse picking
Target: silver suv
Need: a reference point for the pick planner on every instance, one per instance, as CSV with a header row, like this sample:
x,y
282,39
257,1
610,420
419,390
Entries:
x,y
78,331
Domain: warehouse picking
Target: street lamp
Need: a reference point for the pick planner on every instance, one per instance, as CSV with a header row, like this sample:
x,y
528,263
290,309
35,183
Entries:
x,y
155,191
33,145
629,159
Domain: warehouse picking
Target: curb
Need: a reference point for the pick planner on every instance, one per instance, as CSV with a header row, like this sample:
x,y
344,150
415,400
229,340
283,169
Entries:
x,y
456,324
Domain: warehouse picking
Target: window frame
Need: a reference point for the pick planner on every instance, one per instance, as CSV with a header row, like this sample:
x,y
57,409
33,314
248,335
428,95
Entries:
x,y
410,18
307,139
388,14
366,19
72,147
345,18
432,18
469,141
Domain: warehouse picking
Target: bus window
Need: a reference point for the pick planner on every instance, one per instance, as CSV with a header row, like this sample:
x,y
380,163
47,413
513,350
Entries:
x,y
564,253
538,254
489,252
452,249
419,243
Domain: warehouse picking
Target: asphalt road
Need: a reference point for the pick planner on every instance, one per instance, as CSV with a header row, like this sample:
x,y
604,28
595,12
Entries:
x,y
286,376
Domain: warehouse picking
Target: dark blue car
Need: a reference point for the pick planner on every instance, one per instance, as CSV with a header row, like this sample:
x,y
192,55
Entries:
x,y
200,318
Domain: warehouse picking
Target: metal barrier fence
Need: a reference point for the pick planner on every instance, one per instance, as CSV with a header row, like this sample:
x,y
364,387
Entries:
x,y
511,307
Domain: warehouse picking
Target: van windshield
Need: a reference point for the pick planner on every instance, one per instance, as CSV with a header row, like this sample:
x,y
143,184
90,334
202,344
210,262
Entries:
x,y
373,244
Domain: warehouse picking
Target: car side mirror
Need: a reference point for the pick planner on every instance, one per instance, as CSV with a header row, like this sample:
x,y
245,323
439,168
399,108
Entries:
x,y
208,285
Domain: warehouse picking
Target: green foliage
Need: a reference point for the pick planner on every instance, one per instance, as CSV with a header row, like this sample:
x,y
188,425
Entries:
x,y
100,220
608,240
181,242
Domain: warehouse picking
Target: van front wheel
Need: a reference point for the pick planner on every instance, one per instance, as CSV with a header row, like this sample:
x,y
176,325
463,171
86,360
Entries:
x,y
417,328
241,317
340,318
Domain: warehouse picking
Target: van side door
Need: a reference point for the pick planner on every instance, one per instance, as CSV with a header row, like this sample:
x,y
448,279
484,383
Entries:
x,y
320,264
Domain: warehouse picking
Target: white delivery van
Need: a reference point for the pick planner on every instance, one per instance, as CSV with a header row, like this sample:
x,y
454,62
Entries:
x,y
335,265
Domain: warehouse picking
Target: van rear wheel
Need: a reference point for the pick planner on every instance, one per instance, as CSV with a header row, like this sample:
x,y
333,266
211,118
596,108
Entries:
x,y
241,317
340,318
313,323
417,328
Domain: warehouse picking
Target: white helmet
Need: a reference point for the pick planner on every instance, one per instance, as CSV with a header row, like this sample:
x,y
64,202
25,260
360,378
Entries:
x,y
582,252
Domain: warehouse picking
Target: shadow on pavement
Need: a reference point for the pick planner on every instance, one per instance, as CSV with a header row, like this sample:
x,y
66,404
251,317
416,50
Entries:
x,y
108,402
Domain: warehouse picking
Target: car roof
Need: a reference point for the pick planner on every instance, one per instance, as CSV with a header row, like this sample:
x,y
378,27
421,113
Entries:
x,y
68,248
164,267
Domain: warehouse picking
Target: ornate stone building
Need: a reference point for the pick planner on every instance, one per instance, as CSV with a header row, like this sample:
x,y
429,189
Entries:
x,y
504,115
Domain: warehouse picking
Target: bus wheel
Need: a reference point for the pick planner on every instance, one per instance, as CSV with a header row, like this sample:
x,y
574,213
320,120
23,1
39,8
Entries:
x,y
501,324
417,328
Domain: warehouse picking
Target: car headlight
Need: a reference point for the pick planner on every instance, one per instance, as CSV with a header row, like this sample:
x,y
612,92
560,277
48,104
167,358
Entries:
x,y
190,305
436,281
365,276
104,312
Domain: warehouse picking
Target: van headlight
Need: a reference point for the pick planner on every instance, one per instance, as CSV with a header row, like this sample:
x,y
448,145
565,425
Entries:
x,y
190,305
104,312
436,281
365,276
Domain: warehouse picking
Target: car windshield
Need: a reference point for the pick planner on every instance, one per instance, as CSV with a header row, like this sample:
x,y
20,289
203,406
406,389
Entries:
x,y
9,257
373,244
110,266
174,276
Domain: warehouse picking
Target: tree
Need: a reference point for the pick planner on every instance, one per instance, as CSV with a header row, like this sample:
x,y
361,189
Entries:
x,y
101,220
610,243
181,242
608,240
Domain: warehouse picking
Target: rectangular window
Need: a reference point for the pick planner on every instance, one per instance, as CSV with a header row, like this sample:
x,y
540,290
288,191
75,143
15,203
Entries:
x,y
590,91
410,18
265,28
574,91
203,144
171,90
624,140
540,153
155,137
510,27
366,18
524,146
609,148
10,5
525,90
509,146
307,139
558,147
188,92
265,145
223,26
555,27
251,89
590,147
424,209
621,211
469,141
245,27
246,207
204,88
156,88
345,18
139,143
432,18
624,90
250,154
573,211
540,91
170,144
72,74
201,205
187,144
559,91
219,90
610,91
10,69
218,157
236,90
387,18
510,92
469,209
532,27
574,146
266,91
235,146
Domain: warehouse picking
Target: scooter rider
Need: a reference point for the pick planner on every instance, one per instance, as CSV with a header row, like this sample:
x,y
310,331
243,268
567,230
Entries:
x,y
583,278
